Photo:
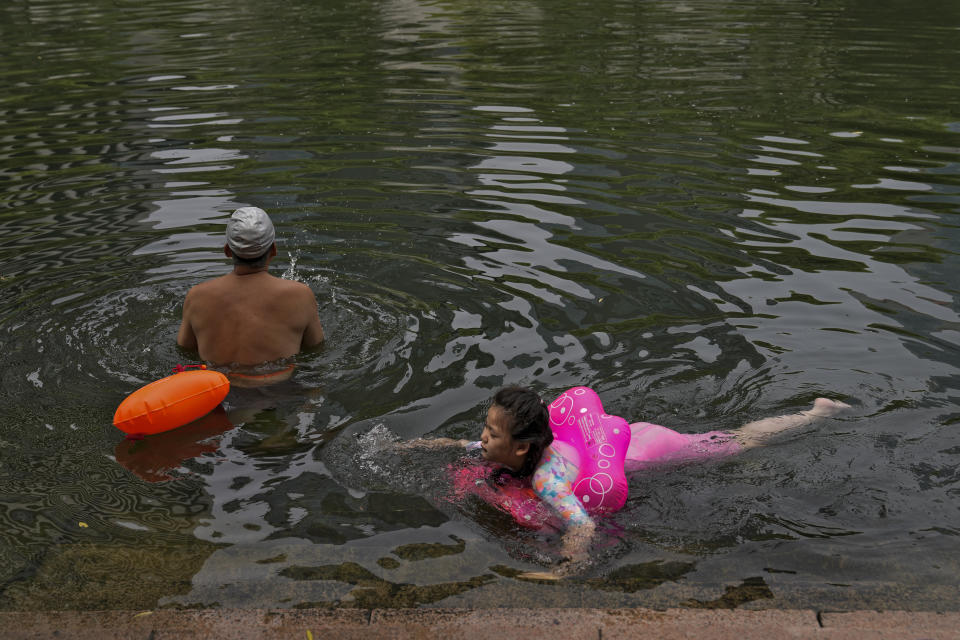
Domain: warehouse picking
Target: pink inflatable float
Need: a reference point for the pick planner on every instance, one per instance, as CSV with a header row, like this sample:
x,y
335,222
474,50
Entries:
x,y
600,442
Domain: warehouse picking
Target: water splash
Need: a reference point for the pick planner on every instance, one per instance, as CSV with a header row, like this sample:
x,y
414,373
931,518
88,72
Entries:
x,y
291,272
372,447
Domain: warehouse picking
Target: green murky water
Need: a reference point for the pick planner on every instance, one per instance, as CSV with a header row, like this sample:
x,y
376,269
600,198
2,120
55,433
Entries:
x,y
709,211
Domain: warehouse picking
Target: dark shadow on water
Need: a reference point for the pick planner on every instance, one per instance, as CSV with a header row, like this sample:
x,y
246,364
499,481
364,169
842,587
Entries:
x,y
749,590
266,433
640,577
153,457
91,576
373,592
334,517
424,551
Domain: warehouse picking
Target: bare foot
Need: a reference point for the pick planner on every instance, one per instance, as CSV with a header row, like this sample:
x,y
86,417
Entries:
x,y
540,575
824,407
565,569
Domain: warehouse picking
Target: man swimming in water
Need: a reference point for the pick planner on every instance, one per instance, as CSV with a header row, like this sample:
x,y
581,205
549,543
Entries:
x,y
249,317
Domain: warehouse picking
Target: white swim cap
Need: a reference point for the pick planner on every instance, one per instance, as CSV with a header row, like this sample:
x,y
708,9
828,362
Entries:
x,y
250,232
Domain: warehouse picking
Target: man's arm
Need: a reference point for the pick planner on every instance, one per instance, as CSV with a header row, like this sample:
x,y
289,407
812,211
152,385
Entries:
x,y
186,338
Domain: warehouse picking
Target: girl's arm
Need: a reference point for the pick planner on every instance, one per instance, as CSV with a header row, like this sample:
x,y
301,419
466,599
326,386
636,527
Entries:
x,y
433,443
575,549
551,482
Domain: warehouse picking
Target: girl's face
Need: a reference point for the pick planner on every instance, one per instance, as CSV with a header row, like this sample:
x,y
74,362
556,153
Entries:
x,y
498,444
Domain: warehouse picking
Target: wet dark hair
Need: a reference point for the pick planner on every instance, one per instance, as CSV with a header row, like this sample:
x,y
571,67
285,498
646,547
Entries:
x,y
529,422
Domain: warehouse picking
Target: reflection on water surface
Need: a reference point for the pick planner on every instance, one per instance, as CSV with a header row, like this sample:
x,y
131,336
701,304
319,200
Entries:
x,y
709,211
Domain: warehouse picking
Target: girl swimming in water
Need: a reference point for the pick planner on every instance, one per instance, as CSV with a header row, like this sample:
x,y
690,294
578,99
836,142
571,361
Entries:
x,y
517,437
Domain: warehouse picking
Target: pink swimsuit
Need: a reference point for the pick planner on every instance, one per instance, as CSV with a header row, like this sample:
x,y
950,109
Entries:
x,y
653,444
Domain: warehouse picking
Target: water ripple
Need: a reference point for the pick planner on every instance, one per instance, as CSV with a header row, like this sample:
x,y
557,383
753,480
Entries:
x,y
711,212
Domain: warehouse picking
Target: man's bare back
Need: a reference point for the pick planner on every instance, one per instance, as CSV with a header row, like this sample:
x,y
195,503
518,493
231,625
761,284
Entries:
x,y
249,317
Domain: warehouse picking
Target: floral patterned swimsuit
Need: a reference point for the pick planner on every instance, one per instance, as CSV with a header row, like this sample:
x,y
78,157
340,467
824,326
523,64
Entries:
x,y
553,483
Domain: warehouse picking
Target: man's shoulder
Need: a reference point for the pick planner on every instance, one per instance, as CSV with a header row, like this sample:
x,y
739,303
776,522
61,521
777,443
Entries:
x,y
269,287
292,286
207,286
299,294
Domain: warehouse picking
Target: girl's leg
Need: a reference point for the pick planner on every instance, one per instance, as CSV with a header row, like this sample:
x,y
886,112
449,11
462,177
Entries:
x,y
757,433
653,444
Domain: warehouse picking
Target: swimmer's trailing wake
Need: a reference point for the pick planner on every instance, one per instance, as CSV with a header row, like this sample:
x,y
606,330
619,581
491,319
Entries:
x,y
560,465
364,459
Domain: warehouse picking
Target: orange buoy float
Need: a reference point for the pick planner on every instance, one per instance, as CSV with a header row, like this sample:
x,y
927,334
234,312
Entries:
x,y
171,402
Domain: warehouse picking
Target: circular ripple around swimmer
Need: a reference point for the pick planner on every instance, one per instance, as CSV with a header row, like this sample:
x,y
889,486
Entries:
x,y
129,336
368,336
76,495
93,344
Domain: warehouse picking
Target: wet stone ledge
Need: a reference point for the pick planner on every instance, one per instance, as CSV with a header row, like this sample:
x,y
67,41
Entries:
x,y
468,624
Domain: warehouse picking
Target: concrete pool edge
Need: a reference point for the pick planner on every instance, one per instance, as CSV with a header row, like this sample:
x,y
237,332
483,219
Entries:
x,y
503,624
